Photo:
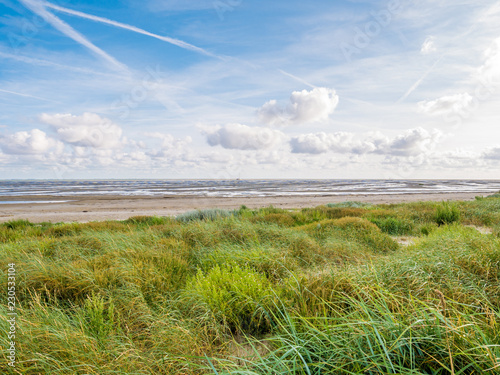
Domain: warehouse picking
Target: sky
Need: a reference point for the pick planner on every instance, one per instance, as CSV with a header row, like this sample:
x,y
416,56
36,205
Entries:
x,y
225,89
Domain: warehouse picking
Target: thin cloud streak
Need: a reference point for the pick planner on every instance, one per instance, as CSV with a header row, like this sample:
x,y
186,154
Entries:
x,y
39,9
107,21
27,95
46,63
298,79
419,82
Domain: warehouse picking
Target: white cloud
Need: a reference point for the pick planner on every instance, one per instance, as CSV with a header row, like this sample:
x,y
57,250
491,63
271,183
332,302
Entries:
x,y
87,130
411,143
490,71
459,158
304,107
458,104
320,143
33,142
428,46
242,137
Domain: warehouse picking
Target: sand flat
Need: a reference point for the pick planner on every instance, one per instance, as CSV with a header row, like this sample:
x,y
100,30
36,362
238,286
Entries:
x,y
98,207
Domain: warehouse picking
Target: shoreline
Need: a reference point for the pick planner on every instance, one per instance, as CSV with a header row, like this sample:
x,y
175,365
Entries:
x,y
100,208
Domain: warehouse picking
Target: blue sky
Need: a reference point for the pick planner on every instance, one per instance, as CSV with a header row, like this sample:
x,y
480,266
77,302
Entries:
x,y
249,89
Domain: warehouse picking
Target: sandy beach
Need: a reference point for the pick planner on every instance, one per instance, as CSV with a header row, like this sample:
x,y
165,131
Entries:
x,y
97,208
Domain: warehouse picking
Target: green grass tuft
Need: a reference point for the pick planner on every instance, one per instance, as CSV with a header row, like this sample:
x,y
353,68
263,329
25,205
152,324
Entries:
x,y
447,213
208,214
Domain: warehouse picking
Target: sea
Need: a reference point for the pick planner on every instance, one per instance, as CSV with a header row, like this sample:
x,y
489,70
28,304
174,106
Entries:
x,y
19,191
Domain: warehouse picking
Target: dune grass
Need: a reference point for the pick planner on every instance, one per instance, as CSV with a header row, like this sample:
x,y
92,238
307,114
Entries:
x,y
325,290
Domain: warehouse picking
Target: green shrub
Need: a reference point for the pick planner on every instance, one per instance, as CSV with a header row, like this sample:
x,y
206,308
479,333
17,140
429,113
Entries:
x,y
271,210
97,317
17,224
496,195
9,235
358,230
447,213
280,219
62,229
427,229
393,226
274,263
146,220
208,214
349,204
238,298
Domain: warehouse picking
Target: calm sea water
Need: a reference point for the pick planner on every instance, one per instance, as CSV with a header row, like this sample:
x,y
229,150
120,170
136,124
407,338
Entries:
x,y
237,188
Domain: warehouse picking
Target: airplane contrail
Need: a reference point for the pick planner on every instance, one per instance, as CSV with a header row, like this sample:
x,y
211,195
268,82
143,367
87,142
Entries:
x,y
39,8
107,21
297,78
46,63
27,95
419,81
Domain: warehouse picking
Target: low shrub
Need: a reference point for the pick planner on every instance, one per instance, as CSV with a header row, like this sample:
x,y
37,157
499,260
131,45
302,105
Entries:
x,y
393,226
61,229
280,219
447,213
496,195
208,214
325,212
9,235
146,220
97,316
354,229
349,204
237,297
17,224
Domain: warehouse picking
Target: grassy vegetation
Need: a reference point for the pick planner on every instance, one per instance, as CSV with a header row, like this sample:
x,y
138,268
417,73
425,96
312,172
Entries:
x,y
325,290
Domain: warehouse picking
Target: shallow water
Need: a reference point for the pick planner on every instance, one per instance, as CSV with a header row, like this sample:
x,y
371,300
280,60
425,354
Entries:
x,y
239,188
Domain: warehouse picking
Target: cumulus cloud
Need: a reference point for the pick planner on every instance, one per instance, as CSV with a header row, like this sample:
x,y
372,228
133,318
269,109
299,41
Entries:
x,y
87,130
428,46
33,142
319,143
458,103
242,137
304,107
411,143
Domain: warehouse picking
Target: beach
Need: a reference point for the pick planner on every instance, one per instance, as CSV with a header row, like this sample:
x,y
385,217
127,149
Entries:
x,y
118,207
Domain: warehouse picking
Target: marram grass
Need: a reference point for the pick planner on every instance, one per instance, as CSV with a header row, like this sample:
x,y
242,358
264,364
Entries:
x,y
338,289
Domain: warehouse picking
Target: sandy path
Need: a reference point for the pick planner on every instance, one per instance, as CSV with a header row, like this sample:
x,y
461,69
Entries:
x,y
94,208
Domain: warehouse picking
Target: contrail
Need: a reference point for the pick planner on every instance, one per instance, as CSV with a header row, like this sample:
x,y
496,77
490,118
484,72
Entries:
x,y
39,62
27,95
297,78
107,21
419,82
39,9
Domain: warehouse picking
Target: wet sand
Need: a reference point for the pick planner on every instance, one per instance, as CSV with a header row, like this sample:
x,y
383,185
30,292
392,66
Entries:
x,y
98,208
